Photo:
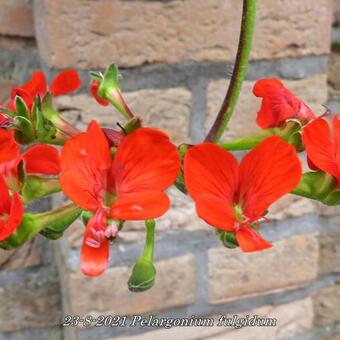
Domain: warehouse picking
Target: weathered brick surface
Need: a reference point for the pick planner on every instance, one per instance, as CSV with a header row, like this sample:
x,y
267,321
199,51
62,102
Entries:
x,y
97,33
336,4
175,286
5,89
313,90
329,254
326,305
334,73
164,109
26,256
29,304
16,18
233,274
292,318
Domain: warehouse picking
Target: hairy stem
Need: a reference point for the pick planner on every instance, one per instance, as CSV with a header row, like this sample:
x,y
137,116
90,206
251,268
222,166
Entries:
x,y
239,72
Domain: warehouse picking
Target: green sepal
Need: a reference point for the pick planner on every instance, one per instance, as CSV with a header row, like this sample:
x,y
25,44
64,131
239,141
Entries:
x,y
132,125
42,130
21,108
143,275
228,239
7,112
36,187
110,80
96,75
332,198
316,185
25,132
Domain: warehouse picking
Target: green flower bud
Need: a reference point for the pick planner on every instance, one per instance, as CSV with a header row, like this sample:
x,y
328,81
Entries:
x,y
228,239
143,275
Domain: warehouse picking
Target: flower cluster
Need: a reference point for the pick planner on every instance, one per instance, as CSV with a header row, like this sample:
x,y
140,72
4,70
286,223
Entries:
x,y
112,176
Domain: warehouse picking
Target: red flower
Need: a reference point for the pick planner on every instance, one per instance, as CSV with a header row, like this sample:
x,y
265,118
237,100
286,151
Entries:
x,y
94,91
39,159
11,211
234,197
323,146
65,82
129,187
279,104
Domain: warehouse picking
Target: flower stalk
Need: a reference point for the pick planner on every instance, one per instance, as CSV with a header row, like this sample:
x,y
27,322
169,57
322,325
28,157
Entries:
x,y
144,272
239,72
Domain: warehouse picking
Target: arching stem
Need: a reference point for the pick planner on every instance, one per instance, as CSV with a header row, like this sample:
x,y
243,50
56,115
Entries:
x,y
239,72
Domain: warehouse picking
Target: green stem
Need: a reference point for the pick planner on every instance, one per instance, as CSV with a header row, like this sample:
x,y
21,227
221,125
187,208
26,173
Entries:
x,y
149,240
239,72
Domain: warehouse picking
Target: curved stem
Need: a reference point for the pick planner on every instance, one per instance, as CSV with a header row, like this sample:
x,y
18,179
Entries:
x,y
239,72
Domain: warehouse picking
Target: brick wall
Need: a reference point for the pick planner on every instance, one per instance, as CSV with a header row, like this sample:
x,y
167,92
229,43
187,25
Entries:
x,y
176,57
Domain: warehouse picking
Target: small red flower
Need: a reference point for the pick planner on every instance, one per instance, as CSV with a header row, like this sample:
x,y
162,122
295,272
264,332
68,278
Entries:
x,y
39,159
279,104
65,82
323,146
129,187
234,197
11,211
94,91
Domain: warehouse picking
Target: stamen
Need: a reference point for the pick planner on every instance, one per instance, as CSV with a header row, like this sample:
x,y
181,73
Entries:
x,y
92,243
111,231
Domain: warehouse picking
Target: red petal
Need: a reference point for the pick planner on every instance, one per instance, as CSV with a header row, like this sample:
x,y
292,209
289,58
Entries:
x,y
85,162
65,82
216,212
37,85
146,160
311,165
319,146
249,240
42,159
93,261
271,170
94,91
15,217
210,170
5,201
9,148
263,86
140,206
278,104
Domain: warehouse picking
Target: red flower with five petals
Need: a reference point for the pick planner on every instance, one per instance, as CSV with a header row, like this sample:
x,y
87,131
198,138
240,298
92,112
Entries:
x,y
279,104
65,82
129,187
11,211
233,197
323,146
